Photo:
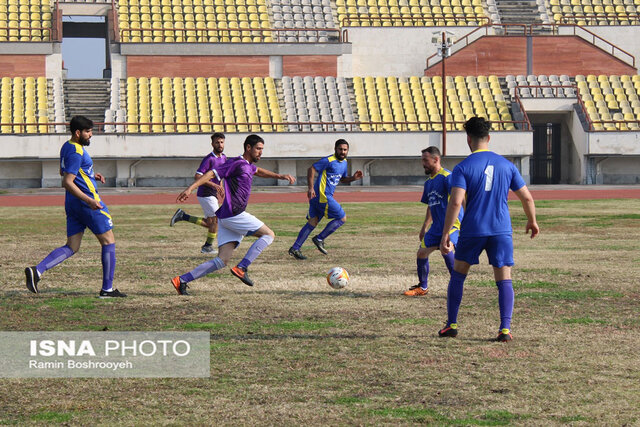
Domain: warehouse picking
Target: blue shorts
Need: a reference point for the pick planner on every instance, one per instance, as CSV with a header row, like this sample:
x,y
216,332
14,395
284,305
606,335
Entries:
x,y
499,249
431,239
331,209
80,216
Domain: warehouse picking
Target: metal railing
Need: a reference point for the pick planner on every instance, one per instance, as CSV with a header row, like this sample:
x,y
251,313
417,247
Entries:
x,y
530,30
596,19
417,20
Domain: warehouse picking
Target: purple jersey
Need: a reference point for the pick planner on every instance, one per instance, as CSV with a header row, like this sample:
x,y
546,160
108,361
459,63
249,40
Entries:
x,y
210,162
238,176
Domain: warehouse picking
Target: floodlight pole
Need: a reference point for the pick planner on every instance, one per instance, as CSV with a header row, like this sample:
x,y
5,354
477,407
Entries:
x,y
443,48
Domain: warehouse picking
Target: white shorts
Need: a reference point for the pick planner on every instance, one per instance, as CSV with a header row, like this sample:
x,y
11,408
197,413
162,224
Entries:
x,y
233,229
209,205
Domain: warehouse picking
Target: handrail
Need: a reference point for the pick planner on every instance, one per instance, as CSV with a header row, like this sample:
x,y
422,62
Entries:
x,y
232,32
413,18
592,39
15,33
523,111
593,19
528,30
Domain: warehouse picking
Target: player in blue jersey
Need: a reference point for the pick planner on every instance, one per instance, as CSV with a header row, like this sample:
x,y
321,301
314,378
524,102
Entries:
x,y
436,196
207,195
83,207
331,170
485,178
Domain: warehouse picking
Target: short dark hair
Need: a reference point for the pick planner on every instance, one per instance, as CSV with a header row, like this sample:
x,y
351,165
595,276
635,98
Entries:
x,y
340,142
217,135
80,123
252,140
433,150
477,128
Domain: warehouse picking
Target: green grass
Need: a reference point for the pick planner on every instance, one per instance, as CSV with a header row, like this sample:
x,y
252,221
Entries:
x,y
292,351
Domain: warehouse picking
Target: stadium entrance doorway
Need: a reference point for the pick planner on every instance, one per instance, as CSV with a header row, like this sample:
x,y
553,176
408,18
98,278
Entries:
x,y
545,162
85,47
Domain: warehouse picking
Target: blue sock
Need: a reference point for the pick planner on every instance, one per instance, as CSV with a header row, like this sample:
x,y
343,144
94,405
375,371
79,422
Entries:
x,y
202,270
255,250
454,296
302,236
108,266
54,258
330,228
423,272
448,260
505,300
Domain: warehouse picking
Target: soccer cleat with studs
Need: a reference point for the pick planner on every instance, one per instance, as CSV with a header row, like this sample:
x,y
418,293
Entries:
x,y
111,294
178,216
449,331
181,287
504,335
416,291
296,253
319,244
208,248
33,277
241,274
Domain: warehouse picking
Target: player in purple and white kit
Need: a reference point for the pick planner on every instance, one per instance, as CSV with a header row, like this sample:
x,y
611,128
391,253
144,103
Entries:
x,y
207,195
233,221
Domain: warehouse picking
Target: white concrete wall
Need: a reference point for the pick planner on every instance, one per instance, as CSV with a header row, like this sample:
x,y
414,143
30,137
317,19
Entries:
x,y
614,143
389,51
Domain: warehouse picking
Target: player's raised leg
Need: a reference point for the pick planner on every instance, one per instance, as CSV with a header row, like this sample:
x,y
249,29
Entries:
x,y
224,255
265,238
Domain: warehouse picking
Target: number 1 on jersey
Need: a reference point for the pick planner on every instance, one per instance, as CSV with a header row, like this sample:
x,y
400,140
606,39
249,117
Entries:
x,y
488,183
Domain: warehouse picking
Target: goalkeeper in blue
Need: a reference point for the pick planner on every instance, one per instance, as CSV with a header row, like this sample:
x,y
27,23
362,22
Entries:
x,y
485,179
322,179
436,192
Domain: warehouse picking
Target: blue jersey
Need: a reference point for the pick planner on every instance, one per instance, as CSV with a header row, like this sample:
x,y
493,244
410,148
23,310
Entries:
x,y
436,194
75,160
330,172
487,178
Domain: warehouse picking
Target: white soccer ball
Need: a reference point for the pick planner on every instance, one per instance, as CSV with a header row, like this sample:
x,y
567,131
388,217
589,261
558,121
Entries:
x,y
338,278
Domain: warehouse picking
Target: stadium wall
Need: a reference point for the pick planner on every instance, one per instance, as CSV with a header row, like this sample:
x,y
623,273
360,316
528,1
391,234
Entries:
x,y
170,160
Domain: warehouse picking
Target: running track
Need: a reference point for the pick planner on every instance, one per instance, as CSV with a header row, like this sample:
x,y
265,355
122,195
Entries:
x,y
350,194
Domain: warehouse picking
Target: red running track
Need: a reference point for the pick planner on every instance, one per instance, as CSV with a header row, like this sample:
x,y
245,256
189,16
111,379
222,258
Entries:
x,y
580,193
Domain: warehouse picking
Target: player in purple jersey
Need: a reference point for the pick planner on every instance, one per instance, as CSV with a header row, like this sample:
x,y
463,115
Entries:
x,y
83,207
207,195
233,221
485,179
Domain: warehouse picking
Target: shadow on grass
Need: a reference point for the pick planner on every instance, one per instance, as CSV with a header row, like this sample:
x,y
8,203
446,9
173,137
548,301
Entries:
x,y
250,336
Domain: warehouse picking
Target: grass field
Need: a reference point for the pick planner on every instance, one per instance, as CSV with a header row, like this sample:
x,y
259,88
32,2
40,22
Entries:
x,y
291,350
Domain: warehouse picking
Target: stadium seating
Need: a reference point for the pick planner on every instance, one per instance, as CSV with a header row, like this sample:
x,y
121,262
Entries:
x,y
611,98
552,86
25,20
191,104
25,103
190,21
394,13
317,100
594,12
314,15
417,101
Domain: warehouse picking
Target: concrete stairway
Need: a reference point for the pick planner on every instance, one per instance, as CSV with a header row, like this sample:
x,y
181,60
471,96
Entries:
x,y
520,12
87,97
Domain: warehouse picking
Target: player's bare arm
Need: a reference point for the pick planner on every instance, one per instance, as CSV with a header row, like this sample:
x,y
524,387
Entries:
x,y
99,177
311,176
453,209
184,195
356,176
529,207
425,225
263,173
71,187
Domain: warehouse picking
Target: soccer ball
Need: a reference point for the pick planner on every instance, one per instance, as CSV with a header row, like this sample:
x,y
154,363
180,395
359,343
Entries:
x,y
337,278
